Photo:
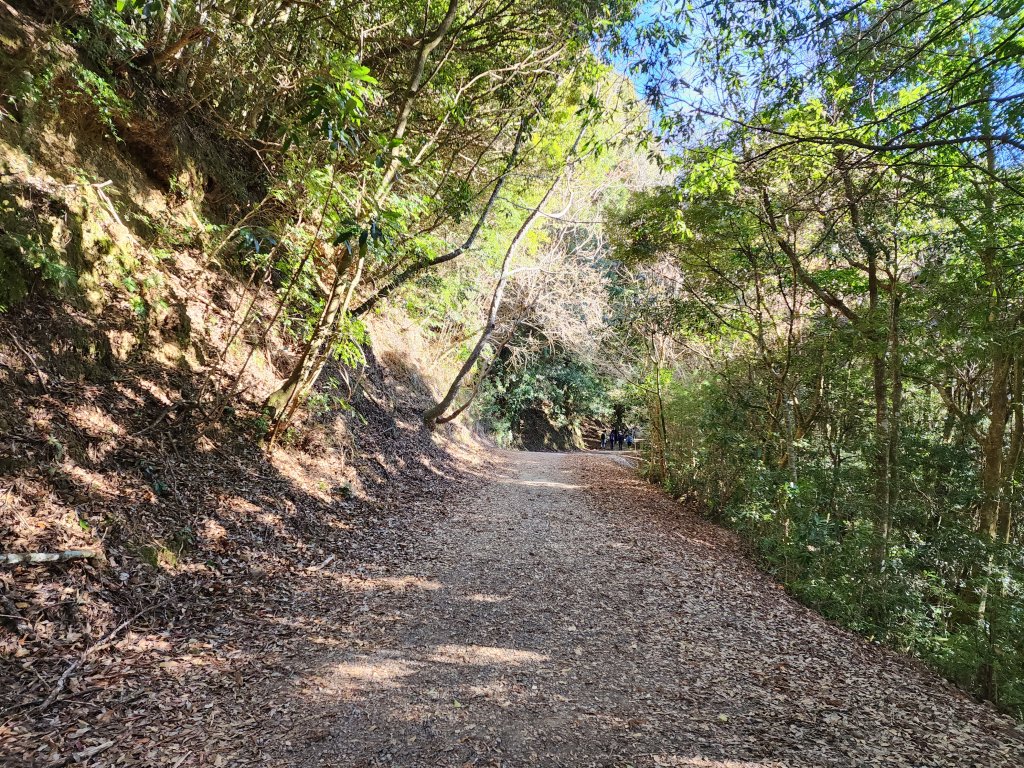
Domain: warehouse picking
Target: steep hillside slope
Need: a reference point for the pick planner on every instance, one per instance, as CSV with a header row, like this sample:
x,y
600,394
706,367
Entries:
x,y
133,369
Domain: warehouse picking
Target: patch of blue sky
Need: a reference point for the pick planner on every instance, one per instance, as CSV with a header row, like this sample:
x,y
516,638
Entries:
x,y
700,67
705,66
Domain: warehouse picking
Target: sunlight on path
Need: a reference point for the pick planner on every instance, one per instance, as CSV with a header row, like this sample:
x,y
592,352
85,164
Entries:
x,y
566,614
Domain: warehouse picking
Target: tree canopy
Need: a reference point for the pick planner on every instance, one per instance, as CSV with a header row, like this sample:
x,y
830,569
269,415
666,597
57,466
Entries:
x,y
838,262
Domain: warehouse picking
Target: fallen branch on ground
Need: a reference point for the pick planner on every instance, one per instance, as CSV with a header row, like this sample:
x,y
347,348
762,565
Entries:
x,y
82,756
16,558
104,641
43,380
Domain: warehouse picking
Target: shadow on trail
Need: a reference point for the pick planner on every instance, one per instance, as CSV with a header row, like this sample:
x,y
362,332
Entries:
x,y
216,553
569,615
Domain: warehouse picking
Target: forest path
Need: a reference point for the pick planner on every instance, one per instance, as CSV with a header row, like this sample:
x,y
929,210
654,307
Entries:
x,y
566,613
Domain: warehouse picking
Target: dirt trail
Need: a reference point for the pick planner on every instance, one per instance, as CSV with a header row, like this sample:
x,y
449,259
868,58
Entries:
x,y
567,614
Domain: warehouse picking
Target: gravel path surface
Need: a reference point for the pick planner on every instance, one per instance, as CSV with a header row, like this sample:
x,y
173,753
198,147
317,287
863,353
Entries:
x,y
567,614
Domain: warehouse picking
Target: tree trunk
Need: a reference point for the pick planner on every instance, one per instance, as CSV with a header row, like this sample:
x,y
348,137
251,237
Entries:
x,y
416,83
476,387
419,266
1005,519
790,416
993,471
280,402
663,462
321,358
882,449
993,447
435,413
896,374
285,400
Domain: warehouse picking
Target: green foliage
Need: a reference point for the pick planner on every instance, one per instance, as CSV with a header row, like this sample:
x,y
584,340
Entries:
x,y
41,257
566,388
29,253
646,227
56,81
439,301
329,400
839,291
816,534
105,101
350,340
373,146
334,103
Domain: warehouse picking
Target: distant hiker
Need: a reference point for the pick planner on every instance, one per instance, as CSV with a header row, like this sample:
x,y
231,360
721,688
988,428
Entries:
x,y
620,439
612,437
629,439
604,439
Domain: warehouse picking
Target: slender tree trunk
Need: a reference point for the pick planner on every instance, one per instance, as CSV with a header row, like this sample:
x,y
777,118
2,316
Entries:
x,y
320,360
661,417
286,399
1005,518
787,408
896,373
419,266
279,402
435,413
476,387
876,333
165,22
993,446
416,83
879,378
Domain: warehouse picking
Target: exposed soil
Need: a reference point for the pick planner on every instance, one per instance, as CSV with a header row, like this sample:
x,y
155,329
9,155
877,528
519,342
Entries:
x,y
216,555
565,613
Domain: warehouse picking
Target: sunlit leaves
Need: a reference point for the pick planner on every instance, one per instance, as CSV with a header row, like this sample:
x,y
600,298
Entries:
x,y
711,172
334,103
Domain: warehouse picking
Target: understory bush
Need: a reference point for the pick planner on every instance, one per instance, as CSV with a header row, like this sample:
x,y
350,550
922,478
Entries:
x,y
813,530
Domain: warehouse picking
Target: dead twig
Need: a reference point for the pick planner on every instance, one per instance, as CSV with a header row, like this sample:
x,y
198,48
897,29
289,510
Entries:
x,y
18,558
28,355
104,641
167,412
107,201
78,757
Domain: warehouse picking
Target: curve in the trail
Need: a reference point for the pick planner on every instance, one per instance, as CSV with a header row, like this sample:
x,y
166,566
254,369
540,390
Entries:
x,y
565,613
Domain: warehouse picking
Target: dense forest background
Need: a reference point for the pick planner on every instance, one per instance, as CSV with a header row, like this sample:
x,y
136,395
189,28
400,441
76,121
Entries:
x,y
783,239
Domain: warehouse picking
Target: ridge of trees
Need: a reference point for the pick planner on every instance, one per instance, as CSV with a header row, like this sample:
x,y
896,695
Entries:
x,y
377,135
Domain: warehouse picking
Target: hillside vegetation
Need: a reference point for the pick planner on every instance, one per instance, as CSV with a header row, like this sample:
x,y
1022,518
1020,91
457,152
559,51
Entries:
x,y
239,264
827,309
